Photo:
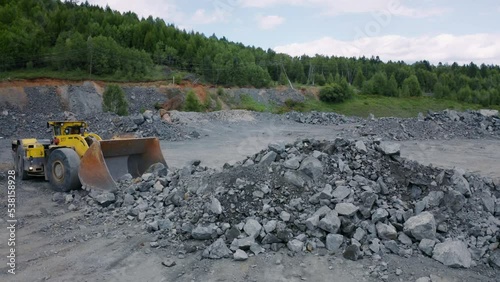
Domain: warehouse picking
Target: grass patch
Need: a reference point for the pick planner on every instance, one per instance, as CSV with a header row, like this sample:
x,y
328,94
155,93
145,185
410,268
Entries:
x,y
380,106
248,103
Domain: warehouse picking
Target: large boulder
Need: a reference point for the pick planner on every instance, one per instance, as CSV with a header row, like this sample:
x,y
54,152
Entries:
x,y
453,254
422,226
217,250
388,148
312,167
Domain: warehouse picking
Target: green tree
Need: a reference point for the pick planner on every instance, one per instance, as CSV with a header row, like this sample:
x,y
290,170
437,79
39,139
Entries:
x,y
319,79
441,91
359,79
411,87
114,100
380,83
192,104
392,87
334,93
465,94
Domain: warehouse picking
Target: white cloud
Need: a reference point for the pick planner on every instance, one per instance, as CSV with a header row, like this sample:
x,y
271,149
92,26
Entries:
x,y
446,48
337,7
202,17
269,22
167,10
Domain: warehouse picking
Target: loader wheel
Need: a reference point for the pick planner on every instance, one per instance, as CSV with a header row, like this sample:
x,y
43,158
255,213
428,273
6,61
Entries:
x,y
21,173
62,170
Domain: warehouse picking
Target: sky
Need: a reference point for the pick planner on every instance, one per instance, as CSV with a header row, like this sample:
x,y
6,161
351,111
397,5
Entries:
x,y
444,31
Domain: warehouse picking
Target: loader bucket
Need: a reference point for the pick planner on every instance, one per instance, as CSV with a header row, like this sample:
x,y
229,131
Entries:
x,y
106,161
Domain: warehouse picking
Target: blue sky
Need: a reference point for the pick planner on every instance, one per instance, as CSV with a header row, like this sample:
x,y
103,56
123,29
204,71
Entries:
x,y
409,30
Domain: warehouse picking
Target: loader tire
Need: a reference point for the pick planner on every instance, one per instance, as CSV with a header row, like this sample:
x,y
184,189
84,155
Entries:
x,y
62,170
21,173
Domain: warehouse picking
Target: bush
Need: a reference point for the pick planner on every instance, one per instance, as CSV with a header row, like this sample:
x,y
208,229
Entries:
x,y
192,104
114,100
334,93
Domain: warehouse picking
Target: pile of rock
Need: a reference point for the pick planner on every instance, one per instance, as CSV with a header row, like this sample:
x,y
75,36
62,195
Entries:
x,y
15,124
436,125
447,124
351,197
321,118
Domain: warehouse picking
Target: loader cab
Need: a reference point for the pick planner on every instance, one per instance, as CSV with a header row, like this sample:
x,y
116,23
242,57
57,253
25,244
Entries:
x,y
67,127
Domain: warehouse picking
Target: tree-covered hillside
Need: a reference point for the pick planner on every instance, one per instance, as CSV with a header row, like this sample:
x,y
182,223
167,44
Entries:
x,y
68,36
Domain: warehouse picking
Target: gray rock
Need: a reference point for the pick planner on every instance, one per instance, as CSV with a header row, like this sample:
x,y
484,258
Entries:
x,y
326,193
423,279
271,239
312,167
347,209
341,192
252,228
105,199
295,245
268,158
215,206
204,232
422,226
294,178
494,259
359,235
169,262
427,246
128,200
293,163
488,201
379,215
278,147
137,119
153,226
270,226
460,184
368,199
158,187
455,200
452,254
240,255
389,148
245,243
165,224
330,223
257,249
232,233
434,199
361,147
217,250
312,222
285,216
386,231
334,241
452,114
148,114
392,246
488,113
352,253
404,239
375,245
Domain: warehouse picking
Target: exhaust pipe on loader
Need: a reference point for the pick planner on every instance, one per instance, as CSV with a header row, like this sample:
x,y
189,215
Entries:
x,y
106,161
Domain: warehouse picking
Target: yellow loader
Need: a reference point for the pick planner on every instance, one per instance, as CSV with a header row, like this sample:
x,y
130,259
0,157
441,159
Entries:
x,y
74,157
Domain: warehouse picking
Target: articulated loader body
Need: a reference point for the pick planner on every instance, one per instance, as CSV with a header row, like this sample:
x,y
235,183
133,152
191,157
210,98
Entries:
x,y
76,158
